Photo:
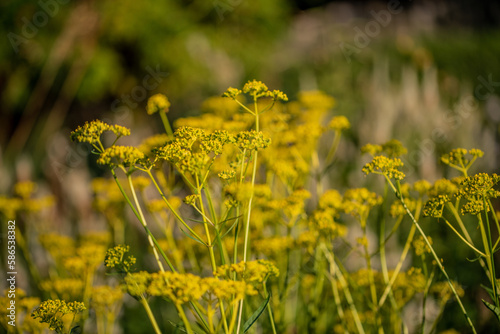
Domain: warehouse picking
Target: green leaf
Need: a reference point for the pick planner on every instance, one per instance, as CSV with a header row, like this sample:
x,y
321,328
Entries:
x,y
253,318
493,308
191,237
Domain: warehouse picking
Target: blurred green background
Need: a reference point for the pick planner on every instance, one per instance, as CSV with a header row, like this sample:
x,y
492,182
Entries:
x,y
424,72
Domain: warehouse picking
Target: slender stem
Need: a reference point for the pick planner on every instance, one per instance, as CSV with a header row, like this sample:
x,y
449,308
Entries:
x,y
166,124
143,222
151,317
184,319
337,273
436,258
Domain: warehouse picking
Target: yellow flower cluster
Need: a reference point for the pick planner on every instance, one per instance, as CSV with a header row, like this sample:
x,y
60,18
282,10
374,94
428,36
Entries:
x,y
91,132
358,202
53,311
339,123
256,89
392,149
116,258
252,272
385,166
458,157
158,103
121,155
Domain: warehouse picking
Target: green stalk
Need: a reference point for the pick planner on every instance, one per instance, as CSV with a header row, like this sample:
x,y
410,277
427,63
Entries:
x,y
143,222
151,317
166,124
269,310
336,272
436,258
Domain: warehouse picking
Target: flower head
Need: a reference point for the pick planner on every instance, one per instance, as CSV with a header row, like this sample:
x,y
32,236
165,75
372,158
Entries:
x,y
339,123
121,155
116,258
158,103
385,166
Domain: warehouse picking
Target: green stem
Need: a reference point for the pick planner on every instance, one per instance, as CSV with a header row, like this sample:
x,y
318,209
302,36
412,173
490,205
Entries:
x,y
166,124
436,258
143,222
151,317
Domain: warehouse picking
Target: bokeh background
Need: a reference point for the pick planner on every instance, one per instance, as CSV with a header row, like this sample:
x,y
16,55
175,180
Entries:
x,y
424,72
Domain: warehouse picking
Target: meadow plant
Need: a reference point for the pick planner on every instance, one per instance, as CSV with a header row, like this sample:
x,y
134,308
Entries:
x,y
245,234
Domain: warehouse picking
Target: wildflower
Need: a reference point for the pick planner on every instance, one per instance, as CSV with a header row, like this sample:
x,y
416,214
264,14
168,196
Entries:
x,y
273,245
215,141
323,220
422,187
59,246
52,312
91,132
393,148
156,103
228,289
179,288
397,209
136,284
339,123
316,100
115,258
443,187
104,297
435,206
121,155
479,185
141,182
252,272
232,92
252,140
278,96
24,189
358,202
65,288
227,174
371,149
421,246
385,166
255,88
191,199
457,157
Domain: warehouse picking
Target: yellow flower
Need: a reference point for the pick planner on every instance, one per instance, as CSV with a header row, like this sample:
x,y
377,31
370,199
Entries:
x,y
121,155
116,258
53,311
179,288
385,166
24,189
156,103
339,123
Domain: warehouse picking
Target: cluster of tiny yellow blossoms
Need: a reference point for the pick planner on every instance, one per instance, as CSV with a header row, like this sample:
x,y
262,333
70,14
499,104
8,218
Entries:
x,y
178,288
392,149
339,123
443,187
158,103
359,201
252,140
53,311
435,206
458,157
104,297
252,272
421,246
385,166
257,89
64,288
121,155
91,132
23,201
116,258
228,289
316,100
476,190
